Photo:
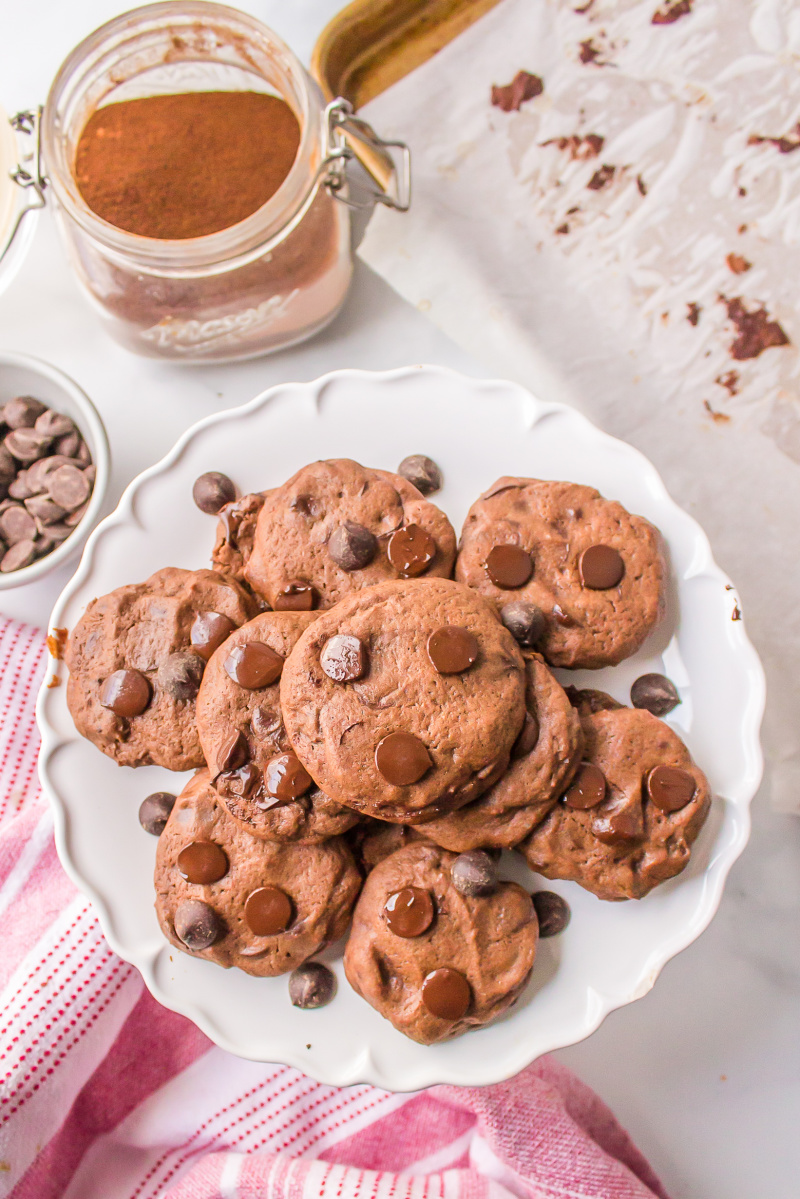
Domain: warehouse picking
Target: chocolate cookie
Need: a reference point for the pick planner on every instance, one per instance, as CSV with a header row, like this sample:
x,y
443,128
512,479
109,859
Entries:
x,y
595,573
136,658
628,819
433,961
249,755
543,760
405,700
337,527
237,900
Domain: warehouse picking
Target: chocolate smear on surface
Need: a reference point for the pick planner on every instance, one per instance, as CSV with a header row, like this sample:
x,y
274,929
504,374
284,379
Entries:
x,y
601,178
693,315
719,418
580,147
672,13
523,87
755,331
786,144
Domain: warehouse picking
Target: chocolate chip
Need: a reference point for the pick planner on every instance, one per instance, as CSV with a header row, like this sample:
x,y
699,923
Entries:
x,y
422,472
587,789
268,911
43,508
402,759
20,488
619,821
351,546
8,467
233,751
306,505
446,994
312,985
202,862
411,550
296,597
653,692
154,812
69,444
528,739
208,631
26,445
474,873
285,778
197,924
180,675
126,693
54,533
600,567
410,912
18,556
37,475
17,524
22,412
253,665
212,491
670,788
74,518
343,658
68,487
53,424
83,454
239,784
509,566
452,650
524,621
552,911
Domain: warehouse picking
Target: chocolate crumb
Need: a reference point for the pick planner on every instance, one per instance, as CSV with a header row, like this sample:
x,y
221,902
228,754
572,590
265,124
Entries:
x,y
672,13
755,332
693,315
642,186
736,614
729,381
601,177
55,681
720,418
589,53
511,96
563,228
786,144
737,264
57,643
742,229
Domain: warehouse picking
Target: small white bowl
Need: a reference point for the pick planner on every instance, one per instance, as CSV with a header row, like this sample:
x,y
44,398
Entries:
x,y
21,376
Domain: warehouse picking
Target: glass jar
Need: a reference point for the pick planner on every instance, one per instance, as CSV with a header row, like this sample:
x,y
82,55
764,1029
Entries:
x,y
273,279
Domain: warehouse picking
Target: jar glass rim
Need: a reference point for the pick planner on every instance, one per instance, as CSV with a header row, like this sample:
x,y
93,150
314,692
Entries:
x,y
249,235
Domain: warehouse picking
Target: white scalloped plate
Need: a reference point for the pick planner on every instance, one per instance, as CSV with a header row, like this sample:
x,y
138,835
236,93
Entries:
x,y
611,954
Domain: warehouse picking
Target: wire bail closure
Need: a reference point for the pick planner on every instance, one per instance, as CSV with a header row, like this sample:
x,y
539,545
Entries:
x,y
32,180
350,138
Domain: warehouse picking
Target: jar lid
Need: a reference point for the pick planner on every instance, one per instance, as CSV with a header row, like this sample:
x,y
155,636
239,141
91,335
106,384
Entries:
x,y
16,202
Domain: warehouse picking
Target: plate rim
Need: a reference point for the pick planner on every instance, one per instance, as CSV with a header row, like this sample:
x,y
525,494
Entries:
x,y
363,1068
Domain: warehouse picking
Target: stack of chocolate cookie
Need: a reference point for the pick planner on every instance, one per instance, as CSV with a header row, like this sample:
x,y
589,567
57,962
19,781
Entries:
x,y
353,711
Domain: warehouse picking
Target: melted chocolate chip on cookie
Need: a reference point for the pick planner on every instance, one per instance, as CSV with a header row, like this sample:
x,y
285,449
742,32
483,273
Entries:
x,y
409,912
202,862
402,759
296,597
285,778
588,788
411,550
670,788
601,567
126,693
253,665
209,630
452,649
343,658
446,994
509,566
268,911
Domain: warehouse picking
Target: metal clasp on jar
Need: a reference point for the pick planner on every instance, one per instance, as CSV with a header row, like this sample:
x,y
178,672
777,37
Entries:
x,y
349,138
28,172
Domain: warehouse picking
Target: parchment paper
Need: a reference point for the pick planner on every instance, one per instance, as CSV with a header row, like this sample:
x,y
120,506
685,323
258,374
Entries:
x,y
574,271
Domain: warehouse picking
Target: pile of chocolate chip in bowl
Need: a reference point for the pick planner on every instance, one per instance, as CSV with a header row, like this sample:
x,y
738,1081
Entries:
x,y
371,715
46,481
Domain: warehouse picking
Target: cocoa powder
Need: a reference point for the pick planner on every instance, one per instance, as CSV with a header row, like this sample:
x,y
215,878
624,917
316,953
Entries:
x,y
185,165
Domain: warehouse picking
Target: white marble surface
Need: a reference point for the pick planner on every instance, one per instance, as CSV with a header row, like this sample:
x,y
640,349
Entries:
x,y
705,1071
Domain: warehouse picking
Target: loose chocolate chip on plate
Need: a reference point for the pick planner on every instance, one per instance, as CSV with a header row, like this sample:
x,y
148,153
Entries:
x,y
268,911
253,665
474,873
528,739
53,424
409,912
509,566
126,693
22,412
452,650
524,621
181,674
670,788
446,994
655,693
69,487
343,658
312,985
285,778
422,472
197,924
209,630
402,759
17,524
600,567
154,812
296,597
203,862
26,445
587,789
351,546
552,911
212,491
411,550
233,752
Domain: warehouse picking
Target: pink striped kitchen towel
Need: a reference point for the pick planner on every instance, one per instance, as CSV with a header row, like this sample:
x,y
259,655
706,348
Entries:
x,y
105,1095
